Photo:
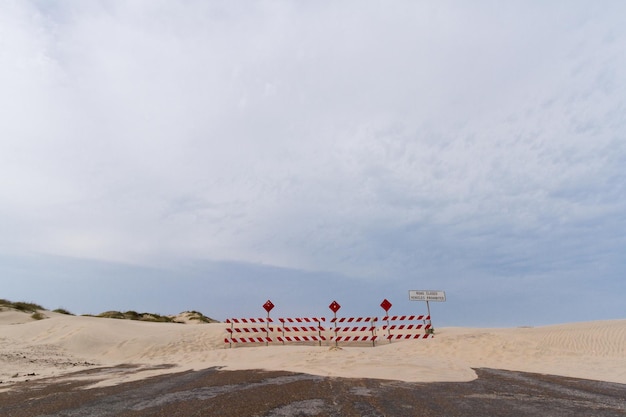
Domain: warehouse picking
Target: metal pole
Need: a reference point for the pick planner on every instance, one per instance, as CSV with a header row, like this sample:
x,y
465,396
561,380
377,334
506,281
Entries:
x,y
319,331
336,343
267,329
429,318
372,324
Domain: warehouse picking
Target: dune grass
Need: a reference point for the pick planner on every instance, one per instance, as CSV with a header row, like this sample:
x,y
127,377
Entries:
x,y
133,315
30,307
21,306
37,316
196,315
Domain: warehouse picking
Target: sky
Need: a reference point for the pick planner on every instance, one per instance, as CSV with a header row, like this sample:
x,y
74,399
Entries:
x,y
166,156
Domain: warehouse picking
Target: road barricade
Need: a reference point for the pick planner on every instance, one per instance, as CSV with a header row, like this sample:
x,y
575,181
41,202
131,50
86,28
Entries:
x,y
305,327
252,334
297,329
358,329
350,330
404,328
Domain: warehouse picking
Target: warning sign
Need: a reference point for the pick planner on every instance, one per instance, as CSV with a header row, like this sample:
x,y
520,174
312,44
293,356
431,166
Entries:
x,y
427,295
268,306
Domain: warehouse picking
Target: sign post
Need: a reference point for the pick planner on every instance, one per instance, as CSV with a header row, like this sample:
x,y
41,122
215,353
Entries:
x,y
386,305
427,295
334,307
268,306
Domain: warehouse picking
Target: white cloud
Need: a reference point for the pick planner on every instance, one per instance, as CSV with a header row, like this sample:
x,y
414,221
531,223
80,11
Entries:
x,y
315,136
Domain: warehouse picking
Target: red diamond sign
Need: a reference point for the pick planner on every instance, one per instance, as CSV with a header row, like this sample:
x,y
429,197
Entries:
x,y
386,305
334,306
268,306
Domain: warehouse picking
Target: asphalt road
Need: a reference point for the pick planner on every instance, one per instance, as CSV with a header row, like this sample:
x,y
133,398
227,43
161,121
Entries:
x,y
212,392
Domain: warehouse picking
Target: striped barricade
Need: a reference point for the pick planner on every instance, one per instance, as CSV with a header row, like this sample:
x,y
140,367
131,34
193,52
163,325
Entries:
x,y
234,331
405,331
354,333
253,320
302,325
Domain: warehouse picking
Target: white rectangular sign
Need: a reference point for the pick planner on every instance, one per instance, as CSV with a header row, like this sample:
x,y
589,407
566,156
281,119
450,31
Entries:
x,y
427,295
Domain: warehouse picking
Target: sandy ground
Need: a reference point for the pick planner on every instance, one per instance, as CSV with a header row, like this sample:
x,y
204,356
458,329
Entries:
x,y
62,344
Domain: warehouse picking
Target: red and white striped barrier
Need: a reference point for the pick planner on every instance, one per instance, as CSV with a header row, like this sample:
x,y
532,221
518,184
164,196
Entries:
x,y
352,319
250,330
354,329
248,340
344,329
302,329
253,320
405,318
407,331
340,332
270,332
354,338
300,338
233,329
408,336
301,319
405,326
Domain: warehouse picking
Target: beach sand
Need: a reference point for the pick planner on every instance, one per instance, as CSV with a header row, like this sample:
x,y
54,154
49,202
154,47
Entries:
x,y
62,344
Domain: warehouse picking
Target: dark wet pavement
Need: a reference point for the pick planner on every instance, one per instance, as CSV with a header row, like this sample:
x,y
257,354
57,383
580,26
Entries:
x,y
212,392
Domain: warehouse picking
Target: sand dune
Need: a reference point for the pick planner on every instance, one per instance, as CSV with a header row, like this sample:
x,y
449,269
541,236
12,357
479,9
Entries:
x,y
61,344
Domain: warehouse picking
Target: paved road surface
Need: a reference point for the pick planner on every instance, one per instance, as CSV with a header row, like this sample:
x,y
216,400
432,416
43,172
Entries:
x,y
212,392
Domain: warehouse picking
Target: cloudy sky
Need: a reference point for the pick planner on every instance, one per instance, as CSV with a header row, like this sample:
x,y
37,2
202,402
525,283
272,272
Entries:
x,y
172,155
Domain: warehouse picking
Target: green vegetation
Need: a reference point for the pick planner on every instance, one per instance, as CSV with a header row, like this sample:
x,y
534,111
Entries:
x,y
128,315
156,318
153,317
21,306
112,315
196,315
133,315
37,316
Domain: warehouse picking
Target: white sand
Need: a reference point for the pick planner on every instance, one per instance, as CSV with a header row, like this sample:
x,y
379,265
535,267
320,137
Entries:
x,y
62,344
